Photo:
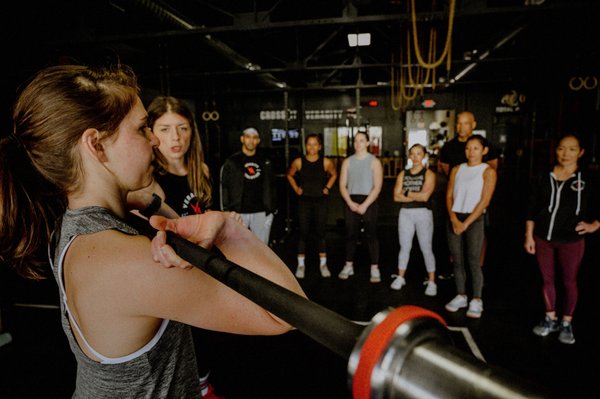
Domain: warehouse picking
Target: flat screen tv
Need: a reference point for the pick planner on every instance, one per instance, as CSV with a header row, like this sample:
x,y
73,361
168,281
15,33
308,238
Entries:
x,y
278,136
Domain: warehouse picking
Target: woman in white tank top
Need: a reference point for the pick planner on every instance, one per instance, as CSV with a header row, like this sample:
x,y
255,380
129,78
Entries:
x,y
470,189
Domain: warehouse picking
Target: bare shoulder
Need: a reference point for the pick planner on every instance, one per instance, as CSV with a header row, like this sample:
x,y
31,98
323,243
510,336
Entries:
x,y
104,274
108,253
489,171
376,162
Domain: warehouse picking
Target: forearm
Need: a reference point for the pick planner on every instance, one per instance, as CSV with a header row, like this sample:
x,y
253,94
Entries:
x,y
473,216
529,226
419,196
241,246
400,197
588,228
330,182
293,183
403,196
345,195
372,197
449,205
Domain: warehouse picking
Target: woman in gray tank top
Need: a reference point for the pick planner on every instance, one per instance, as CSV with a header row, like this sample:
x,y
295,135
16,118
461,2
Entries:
x,y
361,179
80,144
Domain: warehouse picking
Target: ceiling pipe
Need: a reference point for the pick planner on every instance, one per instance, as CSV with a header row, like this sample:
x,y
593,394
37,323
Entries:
x,y
509,11
463,72
167,15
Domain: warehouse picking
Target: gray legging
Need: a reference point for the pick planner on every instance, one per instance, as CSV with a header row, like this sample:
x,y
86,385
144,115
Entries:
x,y
421,221
467,245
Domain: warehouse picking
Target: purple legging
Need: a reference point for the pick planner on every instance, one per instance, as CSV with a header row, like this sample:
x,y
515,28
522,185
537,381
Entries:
x,y
566,257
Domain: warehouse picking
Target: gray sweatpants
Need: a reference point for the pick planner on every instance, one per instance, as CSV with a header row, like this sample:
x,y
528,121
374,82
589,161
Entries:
x,y
421,221
259,223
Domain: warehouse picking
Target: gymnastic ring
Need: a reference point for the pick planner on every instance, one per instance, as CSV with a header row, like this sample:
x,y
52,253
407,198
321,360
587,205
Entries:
x,y
572,85
590,86
210,116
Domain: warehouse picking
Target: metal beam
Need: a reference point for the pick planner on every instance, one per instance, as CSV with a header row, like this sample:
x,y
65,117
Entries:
x,y
221,47
484,54
340,21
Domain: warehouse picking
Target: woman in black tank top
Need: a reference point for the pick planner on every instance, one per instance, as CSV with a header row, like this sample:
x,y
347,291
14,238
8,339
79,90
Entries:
x,y
312,177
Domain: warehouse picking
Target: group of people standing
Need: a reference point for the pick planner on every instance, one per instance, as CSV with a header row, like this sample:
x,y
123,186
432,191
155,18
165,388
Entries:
x,y
562,208
556,223
470,189
81,157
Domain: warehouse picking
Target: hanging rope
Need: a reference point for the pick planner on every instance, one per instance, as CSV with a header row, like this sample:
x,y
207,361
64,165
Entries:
x,y
447,51
396,100
412,83
400,97
420,84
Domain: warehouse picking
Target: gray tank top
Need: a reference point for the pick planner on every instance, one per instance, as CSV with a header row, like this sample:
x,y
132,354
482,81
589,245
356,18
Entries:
x,y
360,176
164,368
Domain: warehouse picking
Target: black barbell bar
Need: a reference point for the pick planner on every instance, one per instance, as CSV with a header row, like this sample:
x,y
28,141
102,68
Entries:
x,y
405,352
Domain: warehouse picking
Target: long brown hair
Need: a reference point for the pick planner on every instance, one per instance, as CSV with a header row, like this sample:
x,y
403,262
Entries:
x,y
198,181
39,161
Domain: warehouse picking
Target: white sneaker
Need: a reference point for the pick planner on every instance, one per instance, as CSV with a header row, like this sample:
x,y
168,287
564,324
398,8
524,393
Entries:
x,y
459,301
398,282
431,289
325,271
300,272
346,272
375,275
475,308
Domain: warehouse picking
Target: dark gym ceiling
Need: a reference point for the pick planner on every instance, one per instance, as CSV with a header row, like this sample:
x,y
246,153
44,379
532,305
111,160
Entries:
x,y
251,45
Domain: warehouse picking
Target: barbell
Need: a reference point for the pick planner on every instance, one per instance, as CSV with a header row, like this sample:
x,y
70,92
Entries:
x,y
406,352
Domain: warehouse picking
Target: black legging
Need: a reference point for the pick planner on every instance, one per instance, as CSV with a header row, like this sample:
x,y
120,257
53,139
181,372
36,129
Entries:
x,y
369,220
312,211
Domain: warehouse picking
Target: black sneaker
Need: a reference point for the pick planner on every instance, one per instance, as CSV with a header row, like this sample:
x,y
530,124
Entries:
x,y
566,333
546,326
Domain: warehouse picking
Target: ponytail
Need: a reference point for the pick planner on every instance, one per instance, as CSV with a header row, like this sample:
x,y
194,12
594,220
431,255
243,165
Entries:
x,y
29,206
